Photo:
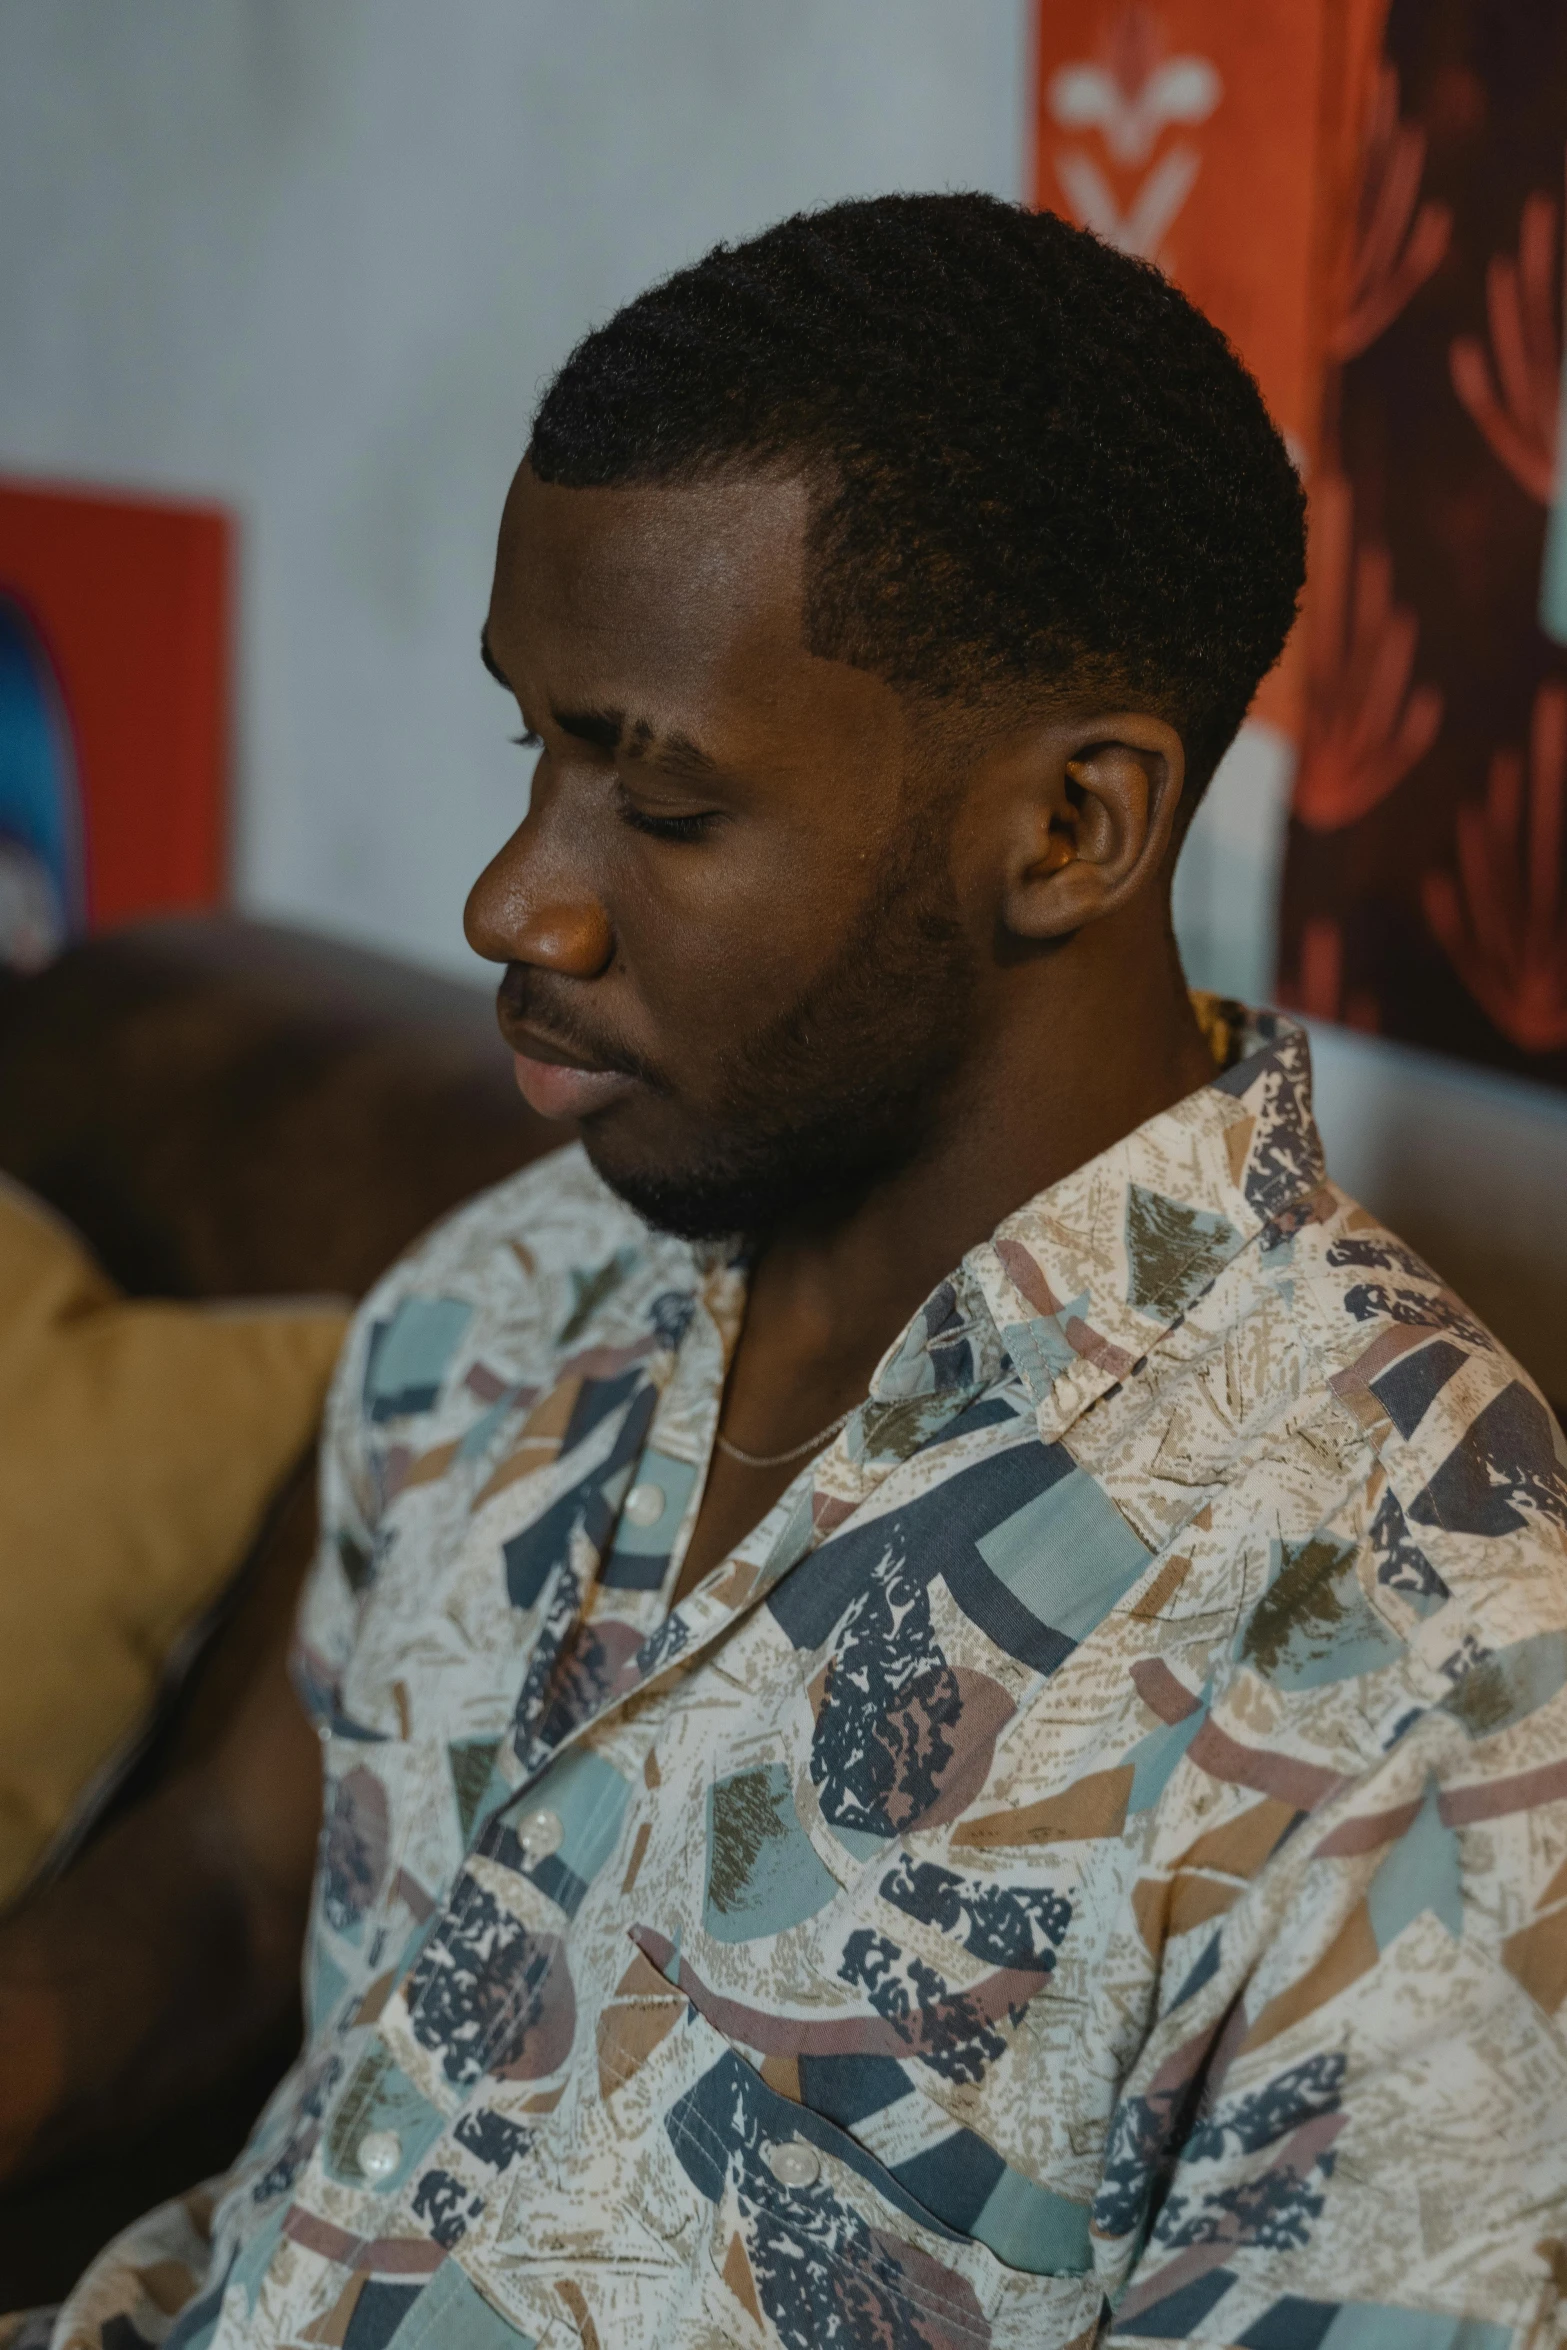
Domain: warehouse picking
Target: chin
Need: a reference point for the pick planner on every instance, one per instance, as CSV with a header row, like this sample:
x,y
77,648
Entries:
x,y
745,1190
714,1194
689,1207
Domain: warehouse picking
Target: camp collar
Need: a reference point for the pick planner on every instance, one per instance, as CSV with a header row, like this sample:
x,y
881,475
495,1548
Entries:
x,y
1082,1282
1079,1285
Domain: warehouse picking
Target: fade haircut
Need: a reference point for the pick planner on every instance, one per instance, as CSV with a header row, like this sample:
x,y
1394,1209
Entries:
x,y
1035,466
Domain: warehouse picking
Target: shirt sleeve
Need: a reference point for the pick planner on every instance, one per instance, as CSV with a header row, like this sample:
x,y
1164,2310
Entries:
x,y
329,1608
1348,2130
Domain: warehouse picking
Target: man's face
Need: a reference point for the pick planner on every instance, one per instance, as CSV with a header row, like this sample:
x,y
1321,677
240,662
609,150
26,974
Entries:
x,y
733,946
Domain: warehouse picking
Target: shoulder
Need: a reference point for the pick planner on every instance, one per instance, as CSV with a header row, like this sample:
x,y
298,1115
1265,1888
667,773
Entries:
x,y
1465,1503
509,1261
467,1325
1389,1542
550,1216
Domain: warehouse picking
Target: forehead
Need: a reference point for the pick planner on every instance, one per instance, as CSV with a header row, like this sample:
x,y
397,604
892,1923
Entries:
x,y
639,593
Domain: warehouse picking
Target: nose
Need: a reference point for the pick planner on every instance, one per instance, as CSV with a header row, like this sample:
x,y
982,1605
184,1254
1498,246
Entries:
x,y
526,908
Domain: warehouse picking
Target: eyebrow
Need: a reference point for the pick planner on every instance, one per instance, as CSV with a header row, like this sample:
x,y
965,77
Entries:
x,y
608,730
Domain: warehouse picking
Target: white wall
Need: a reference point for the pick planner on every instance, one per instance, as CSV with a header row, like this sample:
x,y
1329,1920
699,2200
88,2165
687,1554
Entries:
x,y
313,257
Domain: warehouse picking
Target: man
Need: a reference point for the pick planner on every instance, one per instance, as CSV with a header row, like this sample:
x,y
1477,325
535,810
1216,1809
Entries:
x,y
940,1671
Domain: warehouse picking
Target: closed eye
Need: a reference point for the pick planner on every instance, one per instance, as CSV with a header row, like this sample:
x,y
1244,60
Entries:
x,y
672,828
686,828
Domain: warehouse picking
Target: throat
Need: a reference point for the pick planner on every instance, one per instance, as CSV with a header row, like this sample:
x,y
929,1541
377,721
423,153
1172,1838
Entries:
x,y
816,1325
826,1302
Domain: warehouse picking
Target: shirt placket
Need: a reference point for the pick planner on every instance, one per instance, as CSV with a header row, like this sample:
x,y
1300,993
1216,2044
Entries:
x,y
824,1497
664,1499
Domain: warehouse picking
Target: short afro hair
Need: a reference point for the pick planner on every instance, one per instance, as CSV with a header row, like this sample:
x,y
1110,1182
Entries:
x,y
1036,465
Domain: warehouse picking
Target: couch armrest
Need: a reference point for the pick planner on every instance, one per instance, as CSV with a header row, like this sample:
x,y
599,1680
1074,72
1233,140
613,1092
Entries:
x,y
232,1108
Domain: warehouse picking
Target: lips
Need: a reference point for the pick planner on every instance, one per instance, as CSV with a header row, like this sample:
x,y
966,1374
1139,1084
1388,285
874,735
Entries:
x,y
557,1086
557,1090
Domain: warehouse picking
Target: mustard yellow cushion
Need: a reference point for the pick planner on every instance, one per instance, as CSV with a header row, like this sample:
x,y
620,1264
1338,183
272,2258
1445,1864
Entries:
x,y
139,1446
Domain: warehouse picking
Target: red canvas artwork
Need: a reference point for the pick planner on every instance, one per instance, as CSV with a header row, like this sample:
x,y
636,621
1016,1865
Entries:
x,y
1369,199
114,711
1423,890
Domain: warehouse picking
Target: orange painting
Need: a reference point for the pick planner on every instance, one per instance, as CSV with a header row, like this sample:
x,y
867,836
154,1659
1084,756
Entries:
x,y
1220,140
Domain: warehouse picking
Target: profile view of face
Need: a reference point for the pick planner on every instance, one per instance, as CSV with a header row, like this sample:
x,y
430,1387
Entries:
x,y
737,949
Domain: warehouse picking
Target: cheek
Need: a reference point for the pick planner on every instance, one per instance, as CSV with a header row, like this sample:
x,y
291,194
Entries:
x,y
722,947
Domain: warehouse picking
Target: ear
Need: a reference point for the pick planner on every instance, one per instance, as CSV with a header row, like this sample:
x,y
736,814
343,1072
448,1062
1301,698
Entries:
x,y
1092,822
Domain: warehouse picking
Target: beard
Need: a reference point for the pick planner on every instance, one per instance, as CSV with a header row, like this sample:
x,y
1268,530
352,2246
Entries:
x,y
838,1092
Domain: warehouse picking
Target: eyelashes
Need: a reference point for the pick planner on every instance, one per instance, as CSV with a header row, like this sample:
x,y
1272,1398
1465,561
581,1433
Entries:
x,y
681,828
669,828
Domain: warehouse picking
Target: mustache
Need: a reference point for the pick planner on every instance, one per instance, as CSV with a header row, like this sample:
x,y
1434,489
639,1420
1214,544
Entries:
x,y
527,998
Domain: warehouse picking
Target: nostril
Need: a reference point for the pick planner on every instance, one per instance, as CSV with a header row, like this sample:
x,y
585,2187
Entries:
x,y
483,917
509,918
576,940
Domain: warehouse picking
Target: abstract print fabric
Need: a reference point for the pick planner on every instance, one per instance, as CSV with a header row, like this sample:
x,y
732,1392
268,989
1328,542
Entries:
x,y
1091,1866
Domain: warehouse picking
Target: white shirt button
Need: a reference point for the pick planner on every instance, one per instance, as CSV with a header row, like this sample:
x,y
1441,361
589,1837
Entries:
x,y
380,2152
645,1504
793,2163
540,1833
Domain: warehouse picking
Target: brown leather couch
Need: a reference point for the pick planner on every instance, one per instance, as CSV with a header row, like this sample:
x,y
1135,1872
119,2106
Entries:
x,y
232,1109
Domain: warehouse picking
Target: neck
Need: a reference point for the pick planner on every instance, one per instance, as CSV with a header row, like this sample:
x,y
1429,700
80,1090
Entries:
x,y
1098,1038
1081,1046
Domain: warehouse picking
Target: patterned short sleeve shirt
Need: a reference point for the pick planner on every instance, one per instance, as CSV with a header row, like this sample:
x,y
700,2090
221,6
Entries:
x,y
1090,1867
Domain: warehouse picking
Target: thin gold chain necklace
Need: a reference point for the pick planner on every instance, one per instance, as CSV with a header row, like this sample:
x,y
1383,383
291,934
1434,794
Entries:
x,y
777,1460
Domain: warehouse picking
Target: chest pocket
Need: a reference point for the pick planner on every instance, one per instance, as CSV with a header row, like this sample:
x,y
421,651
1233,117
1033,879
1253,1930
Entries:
x,y
802,2236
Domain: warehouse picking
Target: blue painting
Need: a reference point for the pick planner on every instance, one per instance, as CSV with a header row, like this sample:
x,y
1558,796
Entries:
x,y
41,881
